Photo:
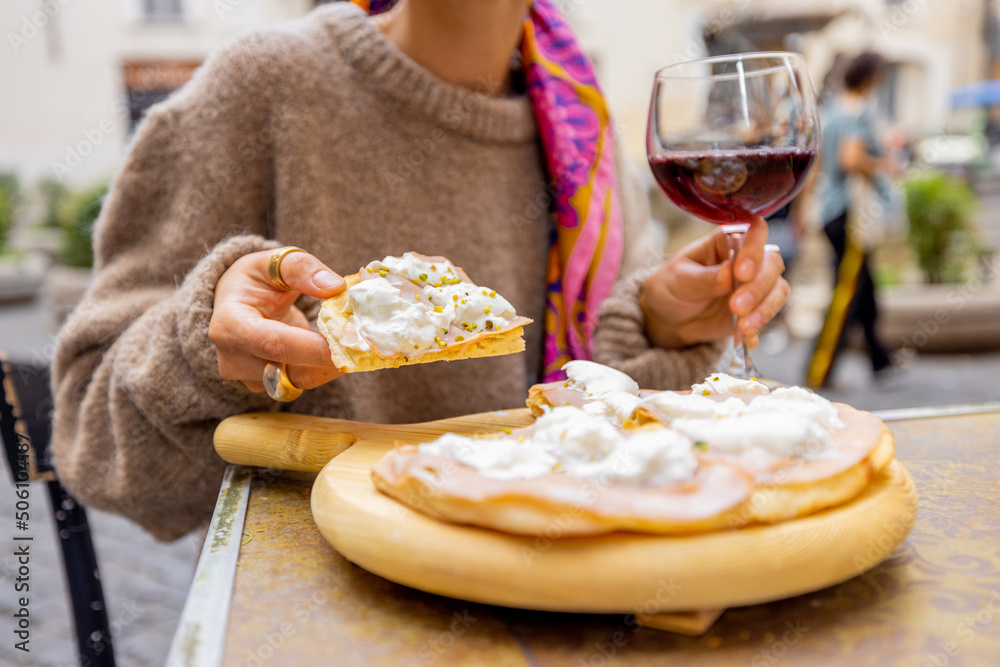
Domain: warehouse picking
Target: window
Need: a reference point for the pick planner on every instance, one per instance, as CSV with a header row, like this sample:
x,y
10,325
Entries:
x,y
147,83
163,10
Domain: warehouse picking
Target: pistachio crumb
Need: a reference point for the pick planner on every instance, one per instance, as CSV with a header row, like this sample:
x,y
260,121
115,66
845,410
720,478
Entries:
x,y
460,338
706,392
369,269
422,276
493,293
438,309
486,310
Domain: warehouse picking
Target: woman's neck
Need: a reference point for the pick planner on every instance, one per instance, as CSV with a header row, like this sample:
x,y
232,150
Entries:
x,y
467,43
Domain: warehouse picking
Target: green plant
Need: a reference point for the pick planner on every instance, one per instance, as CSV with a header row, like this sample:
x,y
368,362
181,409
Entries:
x,y
940,208
9,197
53,193
78,220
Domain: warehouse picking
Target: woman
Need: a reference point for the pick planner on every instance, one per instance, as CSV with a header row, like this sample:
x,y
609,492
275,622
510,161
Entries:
x,y
851,147
357,138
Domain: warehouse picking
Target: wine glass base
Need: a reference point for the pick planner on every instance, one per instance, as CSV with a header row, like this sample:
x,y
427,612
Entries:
x,y
737,363
735,228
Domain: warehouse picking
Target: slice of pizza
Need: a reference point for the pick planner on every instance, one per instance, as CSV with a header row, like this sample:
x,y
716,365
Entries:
x,y
416,309
725,455
598,389
804,452
571,474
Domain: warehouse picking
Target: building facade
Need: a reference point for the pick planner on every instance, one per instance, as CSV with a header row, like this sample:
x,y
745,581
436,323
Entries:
x,y
75,75
933,46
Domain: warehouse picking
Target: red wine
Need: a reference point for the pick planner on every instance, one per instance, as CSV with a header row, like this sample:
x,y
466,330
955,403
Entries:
x,y
727,187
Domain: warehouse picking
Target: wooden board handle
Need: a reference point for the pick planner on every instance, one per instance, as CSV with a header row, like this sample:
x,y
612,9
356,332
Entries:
x,y
301,442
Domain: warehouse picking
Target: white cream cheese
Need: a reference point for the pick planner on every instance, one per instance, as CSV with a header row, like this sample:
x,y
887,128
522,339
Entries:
x,y
614,405
598,379
647,457
693,406
574,435
417,269
395,324
614,394
569,441
720,383
469,304
785,436
383,317
801,402
505,458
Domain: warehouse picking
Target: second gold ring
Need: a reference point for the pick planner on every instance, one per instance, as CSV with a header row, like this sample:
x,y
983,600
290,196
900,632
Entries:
x,y
278,385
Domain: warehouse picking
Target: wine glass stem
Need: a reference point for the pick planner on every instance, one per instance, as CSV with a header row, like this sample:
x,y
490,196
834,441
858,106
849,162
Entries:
x,y
740,364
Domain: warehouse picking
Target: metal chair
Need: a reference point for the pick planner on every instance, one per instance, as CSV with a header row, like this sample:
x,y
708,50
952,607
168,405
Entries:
x,y
26,430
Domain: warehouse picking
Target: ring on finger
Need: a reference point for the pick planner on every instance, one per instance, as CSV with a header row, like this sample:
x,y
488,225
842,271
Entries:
x,y
278,385
274,266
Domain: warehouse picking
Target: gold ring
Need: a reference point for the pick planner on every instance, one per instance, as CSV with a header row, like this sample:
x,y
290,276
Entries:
x,y
277,384
772,247
274,266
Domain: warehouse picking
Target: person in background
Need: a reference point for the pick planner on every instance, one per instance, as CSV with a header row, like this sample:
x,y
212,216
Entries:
x,y
851,147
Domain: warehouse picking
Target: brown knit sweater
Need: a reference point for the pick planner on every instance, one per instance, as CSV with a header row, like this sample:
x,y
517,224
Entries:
x,y
319,134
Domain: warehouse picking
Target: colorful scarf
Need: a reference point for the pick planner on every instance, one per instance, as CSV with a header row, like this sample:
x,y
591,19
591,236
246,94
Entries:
x,y
578,141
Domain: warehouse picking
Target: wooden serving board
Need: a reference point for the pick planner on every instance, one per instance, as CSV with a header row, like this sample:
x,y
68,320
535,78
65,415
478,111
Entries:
x,y
618,573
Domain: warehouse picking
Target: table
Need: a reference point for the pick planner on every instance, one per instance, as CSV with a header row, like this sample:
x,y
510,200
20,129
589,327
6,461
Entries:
x,y
934,601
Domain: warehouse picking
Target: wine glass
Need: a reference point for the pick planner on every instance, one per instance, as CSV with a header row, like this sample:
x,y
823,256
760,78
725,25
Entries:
x,y
732,138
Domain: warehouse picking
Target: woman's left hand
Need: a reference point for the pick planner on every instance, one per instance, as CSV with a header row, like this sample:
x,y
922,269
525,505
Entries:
x,y
688,301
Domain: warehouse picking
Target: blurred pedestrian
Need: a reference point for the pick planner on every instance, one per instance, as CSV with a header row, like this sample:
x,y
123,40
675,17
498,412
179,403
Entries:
x,y
854,191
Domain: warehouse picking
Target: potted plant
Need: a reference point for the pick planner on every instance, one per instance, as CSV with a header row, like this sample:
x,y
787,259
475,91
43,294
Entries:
x,y
957,308
70,277
21,273
940,208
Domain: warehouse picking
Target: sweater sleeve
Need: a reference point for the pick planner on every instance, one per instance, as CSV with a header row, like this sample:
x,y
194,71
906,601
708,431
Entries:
x,y
620,339
135,376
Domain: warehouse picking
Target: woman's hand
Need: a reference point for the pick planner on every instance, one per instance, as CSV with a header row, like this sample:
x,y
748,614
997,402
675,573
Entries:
x,y
687,300
255,323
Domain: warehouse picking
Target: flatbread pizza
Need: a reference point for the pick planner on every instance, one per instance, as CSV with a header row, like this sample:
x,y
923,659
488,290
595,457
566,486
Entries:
x,y
603,457
416,309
